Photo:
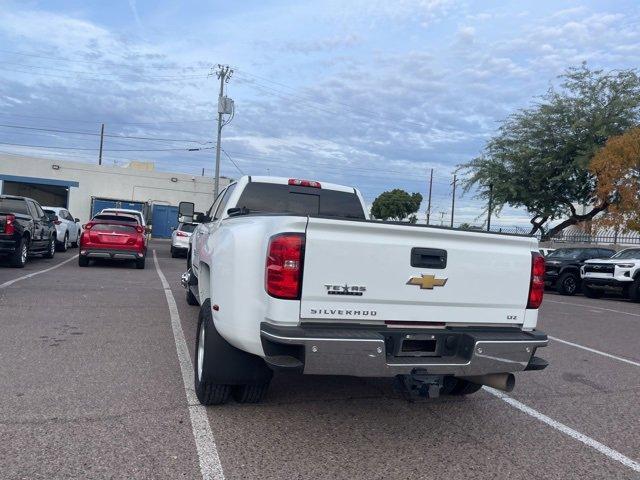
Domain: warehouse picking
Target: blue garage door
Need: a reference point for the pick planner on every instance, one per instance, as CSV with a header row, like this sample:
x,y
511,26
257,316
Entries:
x,y
164,217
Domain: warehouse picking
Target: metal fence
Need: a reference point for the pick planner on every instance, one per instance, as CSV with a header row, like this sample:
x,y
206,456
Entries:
x,y
608,237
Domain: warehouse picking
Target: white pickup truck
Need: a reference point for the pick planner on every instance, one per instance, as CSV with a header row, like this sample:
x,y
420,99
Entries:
x,y
291,274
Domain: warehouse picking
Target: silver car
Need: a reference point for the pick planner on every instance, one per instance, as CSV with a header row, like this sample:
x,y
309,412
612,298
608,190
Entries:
x,y
180,239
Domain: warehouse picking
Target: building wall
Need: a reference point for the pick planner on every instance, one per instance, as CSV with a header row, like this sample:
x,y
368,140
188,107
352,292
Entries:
x,y
114,182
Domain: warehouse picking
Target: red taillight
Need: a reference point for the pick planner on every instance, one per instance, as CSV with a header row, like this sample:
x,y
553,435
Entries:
x,y
181,234
10,224
88,226
304,183
139,229
284,265
536,287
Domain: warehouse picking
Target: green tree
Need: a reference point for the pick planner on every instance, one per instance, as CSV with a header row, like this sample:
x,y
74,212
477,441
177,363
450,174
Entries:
x,y
539,159
396,205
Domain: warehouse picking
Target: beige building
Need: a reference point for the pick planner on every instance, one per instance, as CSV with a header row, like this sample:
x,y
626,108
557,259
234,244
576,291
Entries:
x,y
85,188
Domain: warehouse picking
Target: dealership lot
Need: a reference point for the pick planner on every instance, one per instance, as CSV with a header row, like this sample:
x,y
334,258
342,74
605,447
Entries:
x,y
92,388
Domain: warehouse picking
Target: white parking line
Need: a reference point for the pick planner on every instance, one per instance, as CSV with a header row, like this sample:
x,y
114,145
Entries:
x,y
210,465
593,350
33,274
591,306
590,442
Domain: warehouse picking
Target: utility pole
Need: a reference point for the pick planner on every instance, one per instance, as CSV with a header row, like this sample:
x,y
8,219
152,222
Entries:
x,y
453,198
429,203
224,74
203,171
101,143
490,206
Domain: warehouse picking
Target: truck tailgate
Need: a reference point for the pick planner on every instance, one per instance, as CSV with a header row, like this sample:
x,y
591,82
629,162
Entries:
x,y
363,271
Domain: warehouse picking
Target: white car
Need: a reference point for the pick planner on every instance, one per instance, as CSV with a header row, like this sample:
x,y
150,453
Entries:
x,y
68,229
180,239
290,274
621,271
128,211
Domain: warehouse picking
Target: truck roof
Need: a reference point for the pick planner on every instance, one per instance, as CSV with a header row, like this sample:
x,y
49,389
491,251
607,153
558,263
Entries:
x,y
285,181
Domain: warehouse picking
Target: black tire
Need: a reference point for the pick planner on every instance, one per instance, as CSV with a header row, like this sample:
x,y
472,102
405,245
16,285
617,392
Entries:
x,y
208,393
140,263
219,367
249,393
75,244
464,387
51,249
592,292
634,290
174,253
64,245
83,261
19,258
568,284
191,298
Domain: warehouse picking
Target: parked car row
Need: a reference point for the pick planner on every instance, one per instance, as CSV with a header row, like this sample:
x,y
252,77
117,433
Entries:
x,y
594,271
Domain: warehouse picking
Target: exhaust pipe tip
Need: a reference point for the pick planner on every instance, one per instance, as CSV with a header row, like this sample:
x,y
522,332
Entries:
x,y
500,381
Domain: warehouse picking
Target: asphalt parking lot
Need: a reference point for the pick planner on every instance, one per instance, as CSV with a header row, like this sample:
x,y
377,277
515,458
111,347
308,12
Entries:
x,y
92,387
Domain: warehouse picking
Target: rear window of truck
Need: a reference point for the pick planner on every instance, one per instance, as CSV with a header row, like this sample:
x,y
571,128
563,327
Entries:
x,y
13,205
276,198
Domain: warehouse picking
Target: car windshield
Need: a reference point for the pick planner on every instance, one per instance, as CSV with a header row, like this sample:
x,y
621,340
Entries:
x,y
629,253
566,253
187,227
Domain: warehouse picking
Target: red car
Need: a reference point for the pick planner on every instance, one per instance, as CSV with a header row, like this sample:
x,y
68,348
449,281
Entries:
x,y
113,236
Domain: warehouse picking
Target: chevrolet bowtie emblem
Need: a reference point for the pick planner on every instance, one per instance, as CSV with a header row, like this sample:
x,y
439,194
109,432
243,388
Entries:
x,y
427,282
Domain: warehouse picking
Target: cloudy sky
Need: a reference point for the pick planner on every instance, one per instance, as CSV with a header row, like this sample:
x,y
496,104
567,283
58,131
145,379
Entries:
x,y
364,92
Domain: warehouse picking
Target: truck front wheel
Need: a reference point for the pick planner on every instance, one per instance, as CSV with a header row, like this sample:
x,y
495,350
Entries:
x,y
568,284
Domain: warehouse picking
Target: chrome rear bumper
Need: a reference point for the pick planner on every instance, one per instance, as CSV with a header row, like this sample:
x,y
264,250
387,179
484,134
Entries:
x,y
365,352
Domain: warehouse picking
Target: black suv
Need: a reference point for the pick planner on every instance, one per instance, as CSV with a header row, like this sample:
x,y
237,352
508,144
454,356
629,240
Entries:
x,y
563,267
25,230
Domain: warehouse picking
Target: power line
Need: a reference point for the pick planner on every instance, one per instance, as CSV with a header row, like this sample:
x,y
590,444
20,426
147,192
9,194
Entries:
x,y
232,161
75,132
93,62
98,122
92,76
110,150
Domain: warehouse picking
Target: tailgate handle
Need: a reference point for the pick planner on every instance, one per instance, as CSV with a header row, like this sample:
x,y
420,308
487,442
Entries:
x,y
428,258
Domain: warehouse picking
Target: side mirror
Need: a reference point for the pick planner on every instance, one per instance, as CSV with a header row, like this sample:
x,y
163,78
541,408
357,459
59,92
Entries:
x,y
173,228
232,212
147,229
77,220
185,212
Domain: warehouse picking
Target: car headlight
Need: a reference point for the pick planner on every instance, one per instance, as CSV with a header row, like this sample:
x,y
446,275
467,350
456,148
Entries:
x,y
624,265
